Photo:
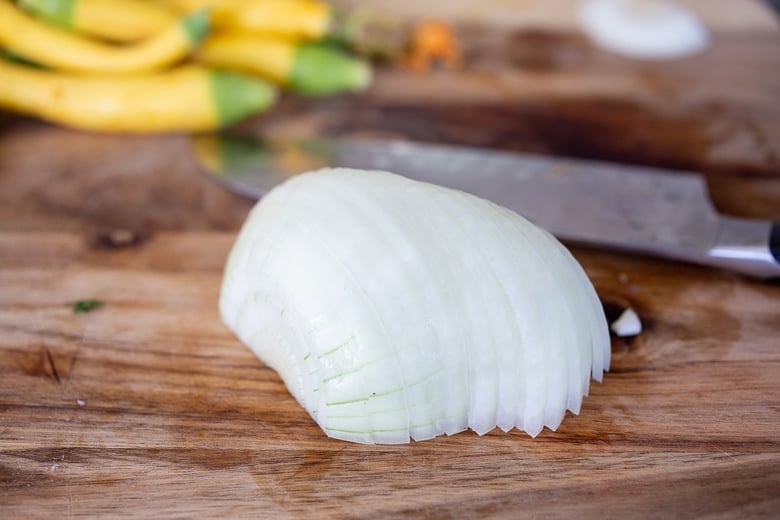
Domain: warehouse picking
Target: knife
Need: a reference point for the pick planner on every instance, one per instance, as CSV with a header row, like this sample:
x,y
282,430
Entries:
x,y
655,212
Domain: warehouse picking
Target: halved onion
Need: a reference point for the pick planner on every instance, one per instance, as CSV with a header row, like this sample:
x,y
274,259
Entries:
x,y
649,29
395,309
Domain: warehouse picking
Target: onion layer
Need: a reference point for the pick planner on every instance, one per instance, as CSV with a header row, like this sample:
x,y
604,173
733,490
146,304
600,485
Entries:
x,y
395,309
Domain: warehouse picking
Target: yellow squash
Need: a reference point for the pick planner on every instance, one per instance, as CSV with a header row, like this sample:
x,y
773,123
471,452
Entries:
x,y
58,48
116,20
302,67
189,98
295,19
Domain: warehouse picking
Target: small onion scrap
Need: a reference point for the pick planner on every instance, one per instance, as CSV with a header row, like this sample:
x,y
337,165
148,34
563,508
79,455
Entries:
x,y
396,309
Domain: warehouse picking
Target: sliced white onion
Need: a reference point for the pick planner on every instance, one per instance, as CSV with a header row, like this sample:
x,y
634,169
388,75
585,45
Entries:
x,y
650,29
394,309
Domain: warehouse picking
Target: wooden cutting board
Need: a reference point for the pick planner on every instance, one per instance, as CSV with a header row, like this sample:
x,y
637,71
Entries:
x,y
149,407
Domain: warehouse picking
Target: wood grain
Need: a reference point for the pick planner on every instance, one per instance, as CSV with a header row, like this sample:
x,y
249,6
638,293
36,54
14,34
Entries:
x,y
149,407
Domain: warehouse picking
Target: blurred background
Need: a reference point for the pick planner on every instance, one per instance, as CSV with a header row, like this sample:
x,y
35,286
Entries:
x,y
689,84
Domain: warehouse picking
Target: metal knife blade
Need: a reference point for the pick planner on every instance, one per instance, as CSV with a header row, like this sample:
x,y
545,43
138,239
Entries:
x,y
646,210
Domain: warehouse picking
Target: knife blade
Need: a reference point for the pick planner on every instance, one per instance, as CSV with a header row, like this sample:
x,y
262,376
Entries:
x,y
655,212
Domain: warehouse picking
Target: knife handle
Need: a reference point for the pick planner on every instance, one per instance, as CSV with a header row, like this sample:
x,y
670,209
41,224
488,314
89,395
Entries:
x,y
747,246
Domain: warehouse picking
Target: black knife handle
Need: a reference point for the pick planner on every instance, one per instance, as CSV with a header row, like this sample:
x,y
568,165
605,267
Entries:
x,y
774,248
774,241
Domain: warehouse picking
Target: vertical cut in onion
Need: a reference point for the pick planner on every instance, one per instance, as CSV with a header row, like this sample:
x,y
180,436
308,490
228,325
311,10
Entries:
x,y
395,309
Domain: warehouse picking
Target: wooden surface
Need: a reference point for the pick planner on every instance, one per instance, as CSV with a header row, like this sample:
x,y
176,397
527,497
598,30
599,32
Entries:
x,y
149,407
